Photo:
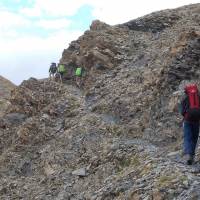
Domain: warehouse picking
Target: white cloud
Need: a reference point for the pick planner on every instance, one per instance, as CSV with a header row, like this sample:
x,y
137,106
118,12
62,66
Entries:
x,y
10,20
57,41
56,8
111,12
31,12
10,24
115,12
54,24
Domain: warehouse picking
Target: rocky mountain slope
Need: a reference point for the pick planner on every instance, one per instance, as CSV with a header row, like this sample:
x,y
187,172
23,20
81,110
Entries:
x,y
119,137
5,89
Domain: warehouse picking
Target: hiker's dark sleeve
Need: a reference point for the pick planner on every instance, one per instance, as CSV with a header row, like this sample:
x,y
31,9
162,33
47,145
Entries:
x,y
182,106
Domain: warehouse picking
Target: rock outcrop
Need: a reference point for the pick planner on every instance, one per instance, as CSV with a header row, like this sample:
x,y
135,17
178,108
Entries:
x,y
5,89
120,136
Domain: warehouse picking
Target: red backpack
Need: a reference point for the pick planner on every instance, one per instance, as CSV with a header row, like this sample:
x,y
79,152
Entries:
x,y
193,112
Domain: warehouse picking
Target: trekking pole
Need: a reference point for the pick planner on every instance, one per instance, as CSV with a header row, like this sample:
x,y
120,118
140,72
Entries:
x,y
60,78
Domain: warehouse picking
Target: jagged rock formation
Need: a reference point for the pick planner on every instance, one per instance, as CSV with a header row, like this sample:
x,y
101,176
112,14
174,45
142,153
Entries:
x,y
5,88
119,137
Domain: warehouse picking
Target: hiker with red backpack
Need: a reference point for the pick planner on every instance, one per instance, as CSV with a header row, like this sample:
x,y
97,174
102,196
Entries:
x,y
190,109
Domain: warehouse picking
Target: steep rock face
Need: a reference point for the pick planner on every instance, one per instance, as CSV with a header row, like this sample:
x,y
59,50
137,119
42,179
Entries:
x,y
119,137
5,89
133,69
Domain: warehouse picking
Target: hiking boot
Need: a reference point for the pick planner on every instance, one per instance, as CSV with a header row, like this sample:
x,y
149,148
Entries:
x,y
189,159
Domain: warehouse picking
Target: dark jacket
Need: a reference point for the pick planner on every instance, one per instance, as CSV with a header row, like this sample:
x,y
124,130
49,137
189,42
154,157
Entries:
x,y
53,68
184,107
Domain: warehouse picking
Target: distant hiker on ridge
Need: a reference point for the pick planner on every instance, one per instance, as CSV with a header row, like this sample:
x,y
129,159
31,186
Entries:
x,y
79,76
52,70
61,71
190,109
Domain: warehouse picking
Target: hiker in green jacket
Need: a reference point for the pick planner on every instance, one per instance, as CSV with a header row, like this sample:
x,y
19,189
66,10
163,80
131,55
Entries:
x,y
79,76
61,71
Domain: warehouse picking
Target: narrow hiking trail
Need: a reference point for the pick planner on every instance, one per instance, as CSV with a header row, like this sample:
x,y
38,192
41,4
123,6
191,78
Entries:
x,y
77,152
159,162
